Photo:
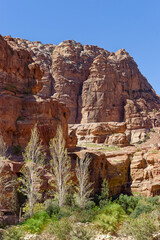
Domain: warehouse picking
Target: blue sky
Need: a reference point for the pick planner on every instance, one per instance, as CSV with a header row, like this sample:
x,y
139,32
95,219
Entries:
x,y
111,24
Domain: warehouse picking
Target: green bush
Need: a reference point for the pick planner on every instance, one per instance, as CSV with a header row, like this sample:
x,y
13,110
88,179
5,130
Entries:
x,y
153,200
128,203
38,207
141,208
52,207
37,222
90,205
64,212
70,197
61,229
104,197
87,215
145,205
143,227
110,217
12,234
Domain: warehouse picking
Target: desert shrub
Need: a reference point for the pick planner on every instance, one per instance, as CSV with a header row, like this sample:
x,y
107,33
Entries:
x,y
64,212
80,233
110,217
37,222
38,207
145,205
128,203
153,200
70,196
87,215
61,229
90,205
146,137
12,234
52,207
143,227
104,197
141,208
154,151
152,130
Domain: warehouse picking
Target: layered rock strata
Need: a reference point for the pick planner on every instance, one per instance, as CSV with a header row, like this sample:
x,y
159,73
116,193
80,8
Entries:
x,y
145,172
21,79
96,85
108,133
109,100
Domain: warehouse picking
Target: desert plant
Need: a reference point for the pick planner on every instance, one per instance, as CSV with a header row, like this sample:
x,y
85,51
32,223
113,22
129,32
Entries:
x,y
12,234
38,207
110,218
33,157
70,197
143,227
60,166
128,203
154,151
103,198
37,222
61,229
51,207
145,205
84,188
80,233
87,215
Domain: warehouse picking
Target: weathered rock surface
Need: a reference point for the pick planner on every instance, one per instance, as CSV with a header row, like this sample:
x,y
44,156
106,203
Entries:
x,y
113,166
145,172
21,79
109,133
18,72
19,115
109,99
96,85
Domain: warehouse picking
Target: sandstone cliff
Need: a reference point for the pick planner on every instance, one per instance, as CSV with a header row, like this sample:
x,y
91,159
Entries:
x,y
102,95
96,85
21,78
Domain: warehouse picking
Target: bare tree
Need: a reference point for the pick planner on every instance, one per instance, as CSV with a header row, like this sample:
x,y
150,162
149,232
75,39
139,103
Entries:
x,y
84,188
60,166
33,157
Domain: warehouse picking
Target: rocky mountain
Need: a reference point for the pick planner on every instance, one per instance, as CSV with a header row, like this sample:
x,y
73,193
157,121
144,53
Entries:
x,y
94,83
102,95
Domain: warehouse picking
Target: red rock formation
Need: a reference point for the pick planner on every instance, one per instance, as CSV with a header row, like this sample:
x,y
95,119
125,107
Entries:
x,y
98,87
113,166
145,173
92,82
109,133
20,78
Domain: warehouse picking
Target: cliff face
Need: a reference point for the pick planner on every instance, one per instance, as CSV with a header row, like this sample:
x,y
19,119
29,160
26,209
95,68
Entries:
x,y
103,95
94,83
21,78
